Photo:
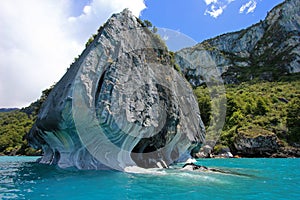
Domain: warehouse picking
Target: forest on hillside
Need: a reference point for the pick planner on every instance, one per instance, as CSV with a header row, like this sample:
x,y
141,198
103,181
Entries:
x,y
258,108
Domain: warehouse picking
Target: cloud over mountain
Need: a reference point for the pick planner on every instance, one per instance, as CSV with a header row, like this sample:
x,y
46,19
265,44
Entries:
x,y
217,7
248,7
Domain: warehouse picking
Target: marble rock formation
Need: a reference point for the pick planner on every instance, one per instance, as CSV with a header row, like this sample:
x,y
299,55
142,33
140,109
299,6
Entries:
x,y
121,104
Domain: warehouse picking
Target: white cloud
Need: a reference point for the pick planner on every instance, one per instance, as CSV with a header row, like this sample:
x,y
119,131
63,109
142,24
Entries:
x,y
87,10
242,9
39,40
216,7
249,6
215,12
208,2
252,7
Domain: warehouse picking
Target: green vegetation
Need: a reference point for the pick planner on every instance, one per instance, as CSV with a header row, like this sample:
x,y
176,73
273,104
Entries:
x,y
257,108
14,125
146,23
173,63
90,40
293,120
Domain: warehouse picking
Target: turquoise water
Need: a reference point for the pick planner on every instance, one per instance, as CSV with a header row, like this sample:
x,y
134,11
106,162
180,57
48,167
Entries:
x,y
21,178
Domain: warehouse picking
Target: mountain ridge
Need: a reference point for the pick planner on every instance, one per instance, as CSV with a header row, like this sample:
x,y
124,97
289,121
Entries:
x,y
265,50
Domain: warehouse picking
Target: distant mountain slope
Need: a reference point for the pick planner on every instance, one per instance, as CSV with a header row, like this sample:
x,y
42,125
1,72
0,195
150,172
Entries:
x,y
7,109
265,50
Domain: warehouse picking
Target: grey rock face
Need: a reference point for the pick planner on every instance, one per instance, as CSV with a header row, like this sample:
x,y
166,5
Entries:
x,y
120,105
270,47
262,145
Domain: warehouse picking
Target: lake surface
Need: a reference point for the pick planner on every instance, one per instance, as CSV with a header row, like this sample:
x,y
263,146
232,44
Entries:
x,y
22,178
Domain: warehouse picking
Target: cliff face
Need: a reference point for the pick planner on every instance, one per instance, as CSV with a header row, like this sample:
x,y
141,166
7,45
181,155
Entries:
x,y
265,50
120,104
258,145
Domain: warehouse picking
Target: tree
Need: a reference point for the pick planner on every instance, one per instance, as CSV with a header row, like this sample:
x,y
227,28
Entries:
x,y
236,119
205,109
147,23
293,120
231,106
154,29
261,107
13,127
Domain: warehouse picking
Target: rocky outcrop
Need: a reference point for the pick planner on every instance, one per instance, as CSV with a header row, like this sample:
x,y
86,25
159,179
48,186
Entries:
x,y
204,152
262,144
265,50
287,152
121,104
211,150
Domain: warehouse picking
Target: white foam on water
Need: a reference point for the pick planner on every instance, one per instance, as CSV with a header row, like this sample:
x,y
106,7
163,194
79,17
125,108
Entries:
x,y
196,176
178,174
140,170
191,160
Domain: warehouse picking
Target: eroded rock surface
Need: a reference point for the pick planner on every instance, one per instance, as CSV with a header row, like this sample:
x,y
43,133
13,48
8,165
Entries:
x,y
261,145
121,104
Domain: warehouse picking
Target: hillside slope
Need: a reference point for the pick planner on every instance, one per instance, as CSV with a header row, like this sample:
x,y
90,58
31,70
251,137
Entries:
x,y
265,50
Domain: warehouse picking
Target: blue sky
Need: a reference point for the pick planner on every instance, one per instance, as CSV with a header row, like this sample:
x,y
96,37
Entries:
x,y
40,39
192,17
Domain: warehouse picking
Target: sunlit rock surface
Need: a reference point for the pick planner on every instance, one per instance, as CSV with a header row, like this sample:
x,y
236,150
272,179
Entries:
x,y
121,104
